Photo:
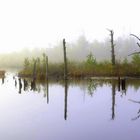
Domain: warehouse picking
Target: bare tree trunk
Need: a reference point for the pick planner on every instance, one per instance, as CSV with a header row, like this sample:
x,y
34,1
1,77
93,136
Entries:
x,y
65,59
112,47
46,67
47,79
65,78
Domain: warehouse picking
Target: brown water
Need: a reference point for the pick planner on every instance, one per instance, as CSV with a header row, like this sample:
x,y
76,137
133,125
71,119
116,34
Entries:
x,y
77,110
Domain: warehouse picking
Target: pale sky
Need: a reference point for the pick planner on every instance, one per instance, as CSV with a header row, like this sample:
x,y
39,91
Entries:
x,y
42,23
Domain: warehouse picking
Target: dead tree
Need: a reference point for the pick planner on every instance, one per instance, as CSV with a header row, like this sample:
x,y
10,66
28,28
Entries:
x,y
138,52
65,59
112,47
46,67
137,38
65,78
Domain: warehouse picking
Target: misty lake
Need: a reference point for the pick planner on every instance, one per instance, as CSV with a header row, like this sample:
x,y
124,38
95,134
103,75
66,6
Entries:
x,y
76,110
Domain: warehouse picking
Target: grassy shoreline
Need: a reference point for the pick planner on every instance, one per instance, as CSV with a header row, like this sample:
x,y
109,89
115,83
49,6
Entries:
x,y
88,68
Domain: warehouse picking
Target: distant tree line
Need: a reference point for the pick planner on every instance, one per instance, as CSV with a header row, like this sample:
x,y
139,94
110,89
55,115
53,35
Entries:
x,y
76,51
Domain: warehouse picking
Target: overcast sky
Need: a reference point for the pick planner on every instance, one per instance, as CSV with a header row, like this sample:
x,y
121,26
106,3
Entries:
x,y
42,23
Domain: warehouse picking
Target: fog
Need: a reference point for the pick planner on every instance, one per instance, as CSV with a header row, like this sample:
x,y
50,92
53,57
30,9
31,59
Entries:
x,y
76,51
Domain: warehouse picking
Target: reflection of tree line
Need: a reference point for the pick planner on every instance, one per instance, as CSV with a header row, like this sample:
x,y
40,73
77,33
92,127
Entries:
x,y
135,83
27,85
121,83
91,87
33,86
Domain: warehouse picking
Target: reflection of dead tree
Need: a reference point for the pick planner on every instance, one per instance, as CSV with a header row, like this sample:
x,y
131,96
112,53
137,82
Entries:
x,y
113,100
137,44
134,101
66,99
138,116
20,85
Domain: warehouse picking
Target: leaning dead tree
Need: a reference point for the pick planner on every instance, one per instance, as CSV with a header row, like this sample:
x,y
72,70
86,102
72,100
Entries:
x,y
138,43
112,46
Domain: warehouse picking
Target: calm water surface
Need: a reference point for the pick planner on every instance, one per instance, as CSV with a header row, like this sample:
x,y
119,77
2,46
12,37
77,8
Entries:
x,y
77,110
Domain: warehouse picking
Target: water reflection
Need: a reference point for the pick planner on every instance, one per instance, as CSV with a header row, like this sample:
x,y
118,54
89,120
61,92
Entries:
x,y
33,86
113,99
86,87
15,83
20,85
66,99
138,112
61,103
92,85
3,80
25,84
46,90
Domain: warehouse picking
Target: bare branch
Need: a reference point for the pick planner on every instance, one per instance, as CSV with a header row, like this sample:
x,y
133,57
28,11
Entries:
x,y
138,44
109,30
134,53
135,36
